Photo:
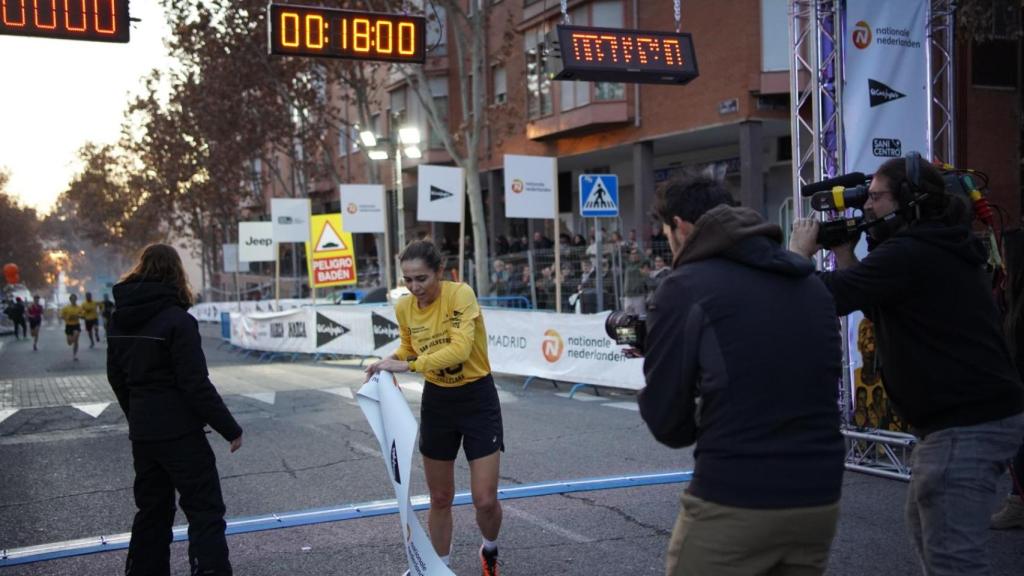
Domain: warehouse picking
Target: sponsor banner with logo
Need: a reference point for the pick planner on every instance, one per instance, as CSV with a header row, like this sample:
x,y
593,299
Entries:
x,y
255,242
356,330
885,97
567,347
531,186
331,257
395,427
211,311
285,331
290,217
363,208
442,190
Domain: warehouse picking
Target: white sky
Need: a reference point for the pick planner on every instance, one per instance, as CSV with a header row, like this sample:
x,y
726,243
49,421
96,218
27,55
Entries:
x,y
58,94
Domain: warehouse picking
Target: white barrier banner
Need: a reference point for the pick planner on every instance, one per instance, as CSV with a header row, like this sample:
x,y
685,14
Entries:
x,y
885,98
286,331
211,311
356,330
395,428
566,347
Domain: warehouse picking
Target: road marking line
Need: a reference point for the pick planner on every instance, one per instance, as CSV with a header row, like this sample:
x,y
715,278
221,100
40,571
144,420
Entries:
x,y
7,413
265,397
624,406
343,391
580,396
93,410
546,525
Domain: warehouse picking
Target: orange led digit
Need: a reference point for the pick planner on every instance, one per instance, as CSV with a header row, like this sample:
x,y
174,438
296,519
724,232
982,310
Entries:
x,y
294,30
407,39
97,13
77,11
292,19
673,52
10,21
44,14
360,38
383,37
314,25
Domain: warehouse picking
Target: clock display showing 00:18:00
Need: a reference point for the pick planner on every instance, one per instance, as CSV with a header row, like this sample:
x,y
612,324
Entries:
x,y
315,31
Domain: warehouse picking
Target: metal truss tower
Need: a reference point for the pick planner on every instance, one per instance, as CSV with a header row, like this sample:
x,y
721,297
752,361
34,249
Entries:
x,y
816,32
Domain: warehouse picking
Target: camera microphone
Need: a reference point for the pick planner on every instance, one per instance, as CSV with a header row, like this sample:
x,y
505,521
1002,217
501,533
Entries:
x,y
844,180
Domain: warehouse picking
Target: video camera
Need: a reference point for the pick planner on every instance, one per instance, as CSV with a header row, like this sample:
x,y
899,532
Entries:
x,y
836,195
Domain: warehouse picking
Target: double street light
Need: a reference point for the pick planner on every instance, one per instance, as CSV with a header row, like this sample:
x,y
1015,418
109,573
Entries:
x,y
405,141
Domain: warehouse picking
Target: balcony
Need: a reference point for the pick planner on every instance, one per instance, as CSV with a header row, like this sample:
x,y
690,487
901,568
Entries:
x,y
591,117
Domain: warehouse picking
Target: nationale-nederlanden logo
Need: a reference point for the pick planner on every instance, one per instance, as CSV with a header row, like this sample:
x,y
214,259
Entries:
x,y
862,35
552,346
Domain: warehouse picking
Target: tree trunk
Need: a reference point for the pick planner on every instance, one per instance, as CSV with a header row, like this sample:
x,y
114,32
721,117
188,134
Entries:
x,y
478,226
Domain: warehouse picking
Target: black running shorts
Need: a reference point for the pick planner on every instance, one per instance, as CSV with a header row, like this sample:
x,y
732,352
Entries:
x,y
90,324
469,415
70,329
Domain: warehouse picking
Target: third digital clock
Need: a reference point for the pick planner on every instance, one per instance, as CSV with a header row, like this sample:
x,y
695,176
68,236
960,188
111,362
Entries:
x,y
315,31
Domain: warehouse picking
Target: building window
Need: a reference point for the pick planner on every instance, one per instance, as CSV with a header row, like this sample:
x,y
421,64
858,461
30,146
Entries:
x,y
608,14
994,63
538,82
500,89
439,92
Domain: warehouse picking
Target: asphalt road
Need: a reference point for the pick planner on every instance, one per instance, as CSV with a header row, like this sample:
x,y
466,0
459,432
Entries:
x,y
65,473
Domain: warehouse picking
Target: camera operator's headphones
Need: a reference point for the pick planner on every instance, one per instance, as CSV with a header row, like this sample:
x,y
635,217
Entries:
x,y
910,187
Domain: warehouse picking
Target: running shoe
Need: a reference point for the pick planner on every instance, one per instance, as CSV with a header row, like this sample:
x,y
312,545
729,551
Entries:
x,y
489,562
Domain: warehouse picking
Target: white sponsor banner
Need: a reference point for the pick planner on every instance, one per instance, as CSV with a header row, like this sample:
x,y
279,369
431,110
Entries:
x,y
211,311
356,330
885,97
291,219
442,190
286,331
255,242
362,207
395,427
531,186
566,347
231,261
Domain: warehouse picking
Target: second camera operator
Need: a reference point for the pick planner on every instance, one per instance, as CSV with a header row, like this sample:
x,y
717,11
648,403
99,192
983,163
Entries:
x,y
745,326
946,366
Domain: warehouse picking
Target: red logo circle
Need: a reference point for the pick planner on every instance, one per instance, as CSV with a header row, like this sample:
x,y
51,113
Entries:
x,y
862,35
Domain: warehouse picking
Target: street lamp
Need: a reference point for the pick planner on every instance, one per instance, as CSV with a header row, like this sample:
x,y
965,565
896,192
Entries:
x,y
403,141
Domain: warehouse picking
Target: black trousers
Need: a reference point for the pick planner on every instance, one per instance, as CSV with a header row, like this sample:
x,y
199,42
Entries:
x,y
187,465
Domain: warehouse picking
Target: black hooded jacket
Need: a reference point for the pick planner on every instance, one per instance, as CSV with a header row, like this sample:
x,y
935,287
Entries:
x,y
746,325
156,366
944,360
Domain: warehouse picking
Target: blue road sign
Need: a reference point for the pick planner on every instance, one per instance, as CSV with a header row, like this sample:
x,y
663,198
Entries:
x,y
599,195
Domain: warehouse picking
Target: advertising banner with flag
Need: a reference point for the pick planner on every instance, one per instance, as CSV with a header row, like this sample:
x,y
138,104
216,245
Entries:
x,y
331,257
395,427
885,95
442,193
531,186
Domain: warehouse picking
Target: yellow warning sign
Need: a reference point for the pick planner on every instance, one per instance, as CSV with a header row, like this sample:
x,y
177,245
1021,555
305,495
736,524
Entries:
x,y
332,261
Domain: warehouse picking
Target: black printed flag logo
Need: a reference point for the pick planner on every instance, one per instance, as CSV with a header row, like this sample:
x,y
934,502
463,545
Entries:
x,y
881,94
384,331
438,193
394,463
328,330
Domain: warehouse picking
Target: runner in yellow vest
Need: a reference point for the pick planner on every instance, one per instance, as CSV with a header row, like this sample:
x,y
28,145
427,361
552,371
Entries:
x,y
71,315
90,309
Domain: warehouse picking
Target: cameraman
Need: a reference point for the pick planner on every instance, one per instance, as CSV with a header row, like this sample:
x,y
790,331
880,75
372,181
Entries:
x,y
745,326
946,366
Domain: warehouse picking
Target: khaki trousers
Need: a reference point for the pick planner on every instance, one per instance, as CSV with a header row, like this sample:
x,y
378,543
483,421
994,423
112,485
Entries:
x,y
714,540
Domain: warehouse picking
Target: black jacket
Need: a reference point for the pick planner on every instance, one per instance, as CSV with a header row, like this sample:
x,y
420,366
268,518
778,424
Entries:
x,y
156,366
745,325
944,360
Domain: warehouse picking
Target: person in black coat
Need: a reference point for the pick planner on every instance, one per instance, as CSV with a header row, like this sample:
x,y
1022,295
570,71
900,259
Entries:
x,y
156,367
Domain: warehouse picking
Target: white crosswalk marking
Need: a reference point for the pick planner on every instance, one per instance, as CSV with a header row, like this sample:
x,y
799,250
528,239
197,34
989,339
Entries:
x,y
624,406
581,397
7,413
343,391
93,410
265,397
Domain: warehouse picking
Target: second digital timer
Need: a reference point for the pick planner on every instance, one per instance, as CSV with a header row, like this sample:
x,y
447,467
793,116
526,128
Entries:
x,y
315,31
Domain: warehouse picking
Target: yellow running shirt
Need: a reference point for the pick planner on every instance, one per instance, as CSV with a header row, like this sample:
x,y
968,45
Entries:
x,y
89,310
70,314
447,339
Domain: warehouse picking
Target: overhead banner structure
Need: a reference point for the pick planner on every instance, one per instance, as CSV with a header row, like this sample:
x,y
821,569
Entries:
x,y
363,205
531,186
331,257
395,427
442,193
885,96
291,218
255,242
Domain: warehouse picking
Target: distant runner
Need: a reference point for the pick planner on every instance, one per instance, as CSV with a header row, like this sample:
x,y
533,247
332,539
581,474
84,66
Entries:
x,y
71,315
92,319
35,318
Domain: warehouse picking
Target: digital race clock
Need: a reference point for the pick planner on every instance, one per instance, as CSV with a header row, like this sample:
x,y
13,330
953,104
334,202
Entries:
x,y
98,20
315,31
614,55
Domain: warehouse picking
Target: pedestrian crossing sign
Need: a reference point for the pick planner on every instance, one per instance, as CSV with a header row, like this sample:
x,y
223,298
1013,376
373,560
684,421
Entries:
x,y
599,195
